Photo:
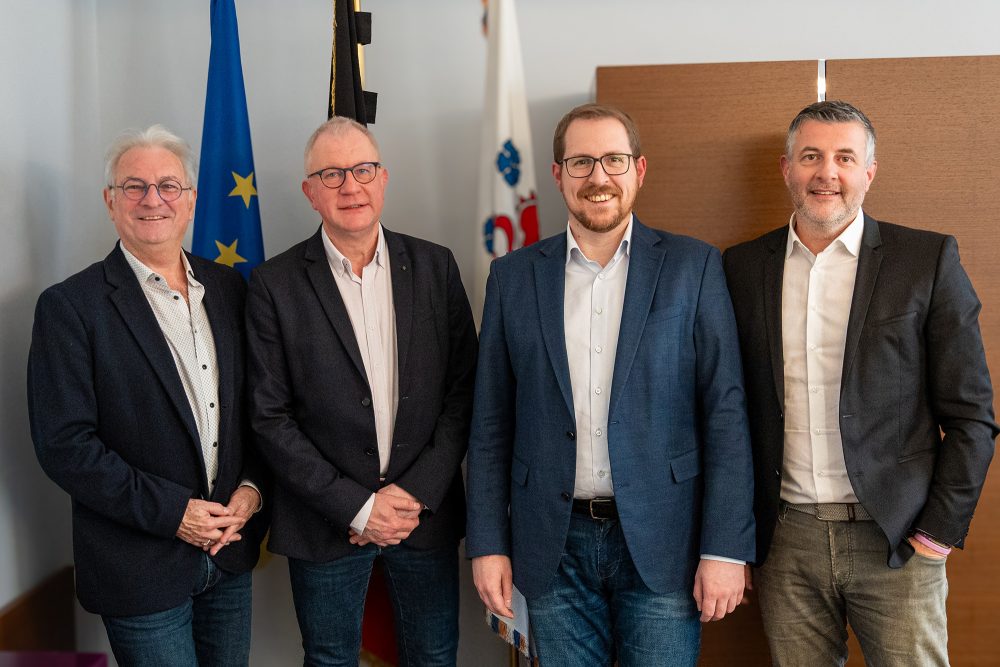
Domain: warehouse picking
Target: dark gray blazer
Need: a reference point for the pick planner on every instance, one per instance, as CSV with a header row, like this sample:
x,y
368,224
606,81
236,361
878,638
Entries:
x,y
914,367
113,427
312,407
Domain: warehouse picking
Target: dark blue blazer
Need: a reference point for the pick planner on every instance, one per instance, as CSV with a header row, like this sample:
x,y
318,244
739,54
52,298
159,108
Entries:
x,y
677,429
914,368
113,427
312,408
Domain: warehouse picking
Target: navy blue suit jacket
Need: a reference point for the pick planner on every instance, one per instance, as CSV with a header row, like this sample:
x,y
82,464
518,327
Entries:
x,y
677,428
113,427
312,407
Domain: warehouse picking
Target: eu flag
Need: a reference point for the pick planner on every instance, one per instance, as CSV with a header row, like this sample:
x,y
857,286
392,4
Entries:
x,y
227,215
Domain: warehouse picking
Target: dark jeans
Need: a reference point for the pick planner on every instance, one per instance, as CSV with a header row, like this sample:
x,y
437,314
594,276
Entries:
x,y
598,609
210,629
423,587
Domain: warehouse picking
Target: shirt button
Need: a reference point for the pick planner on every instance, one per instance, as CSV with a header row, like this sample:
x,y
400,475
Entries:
x,y
156,278
601,474
598,431
211,405
598,349
204,367
215,444
176,298
370,451
816,431
366,401
812,347
598,310
600,276
814,390
597,390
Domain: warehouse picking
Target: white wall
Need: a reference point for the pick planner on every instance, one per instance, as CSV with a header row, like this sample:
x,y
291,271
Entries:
x,y
75,72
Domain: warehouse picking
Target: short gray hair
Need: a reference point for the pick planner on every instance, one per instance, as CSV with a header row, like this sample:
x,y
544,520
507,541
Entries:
x,y
154,135
336,126
833,111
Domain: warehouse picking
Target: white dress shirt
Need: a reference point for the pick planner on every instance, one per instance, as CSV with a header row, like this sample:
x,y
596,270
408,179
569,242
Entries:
x,y
369,304
188,334
592,314
816,294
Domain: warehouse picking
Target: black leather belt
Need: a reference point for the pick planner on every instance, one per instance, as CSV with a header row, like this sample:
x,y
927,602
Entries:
x,y
599,509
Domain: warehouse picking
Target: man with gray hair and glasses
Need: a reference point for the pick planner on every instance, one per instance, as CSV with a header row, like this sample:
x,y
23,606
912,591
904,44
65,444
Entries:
x,y
362,355
136,401
870,409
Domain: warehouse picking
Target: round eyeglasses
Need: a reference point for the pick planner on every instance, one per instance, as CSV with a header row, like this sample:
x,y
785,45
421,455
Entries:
x,y
334,177
136,188
582,166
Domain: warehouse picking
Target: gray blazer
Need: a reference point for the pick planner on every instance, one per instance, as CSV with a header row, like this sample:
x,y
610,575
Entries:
x,y
914,368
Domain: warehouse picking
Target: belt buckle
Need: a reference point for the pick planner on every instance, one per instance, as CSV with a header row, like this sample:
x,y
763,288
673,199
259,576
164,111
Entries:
x,y
590,507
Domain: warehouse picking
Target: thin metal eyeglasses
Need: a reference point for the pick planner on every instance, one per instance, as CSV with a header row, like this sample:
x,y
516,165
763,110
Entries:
x,y
334,177
582,166
136,189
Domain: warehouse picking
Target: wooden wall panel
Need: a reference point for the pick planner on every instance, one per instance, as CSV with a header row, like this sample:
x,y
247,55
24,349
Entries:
x,y
938,155
713,135
42,618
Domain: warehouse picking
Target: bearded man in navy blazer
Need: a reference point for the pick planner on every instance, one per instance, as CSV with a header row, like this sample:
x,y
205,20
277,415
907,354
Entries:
x,y
609,463
363,355
870,407
136,399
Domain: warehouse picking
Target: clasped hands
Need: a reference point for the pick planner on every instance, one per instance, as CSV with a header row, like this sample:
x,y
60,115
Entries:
x,y
210,526
394,515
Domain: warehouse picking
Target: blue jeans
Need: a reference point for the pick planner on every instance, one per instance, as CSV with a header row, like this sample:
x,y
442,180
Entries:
x,y
210,629
598,609
821,575
423,588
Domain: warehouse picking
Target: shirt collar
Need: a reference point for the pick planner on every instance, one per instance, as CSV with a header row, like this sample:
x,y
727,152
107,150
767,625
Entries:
x,y
341,264
850,238
147,275
623,247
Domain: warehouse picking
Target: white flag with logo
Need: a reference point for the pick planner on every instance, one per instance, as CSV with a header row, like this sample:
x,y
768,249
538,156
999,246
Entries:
x,y
507,212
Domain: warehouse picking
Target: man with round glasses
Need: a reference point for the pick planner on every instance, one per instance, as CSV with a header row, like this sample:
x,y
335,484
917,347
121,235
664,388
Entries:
x,y
609,462
136,401
362,361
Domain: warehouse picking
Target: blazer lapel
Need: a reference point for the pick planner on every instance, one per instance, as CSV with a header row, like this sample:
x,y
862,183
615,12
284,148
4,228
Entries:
x,y
550,291
130,301
645,260
318,270
774,268
402,295
869,261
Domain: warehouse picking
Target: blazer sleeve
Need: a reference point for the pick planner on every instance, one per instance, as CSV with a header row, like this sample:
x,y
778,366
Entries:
x,y
432,473
296,462
728,527
961,398
63,412
491,443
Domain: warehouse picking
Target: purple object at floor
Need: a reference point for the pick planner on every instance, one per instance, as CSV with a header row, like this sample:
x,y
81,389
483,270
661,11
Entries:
x,y
52,659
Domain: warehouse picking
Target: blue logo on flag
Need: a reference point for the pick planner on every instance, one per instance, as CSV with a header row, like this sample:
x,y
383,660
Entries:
x,y
509,163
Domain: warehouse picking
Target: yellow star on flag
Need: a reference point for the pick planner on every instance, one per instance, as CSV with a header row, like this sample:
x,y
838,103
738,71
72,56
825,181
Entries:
x,y
244,188
227,253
